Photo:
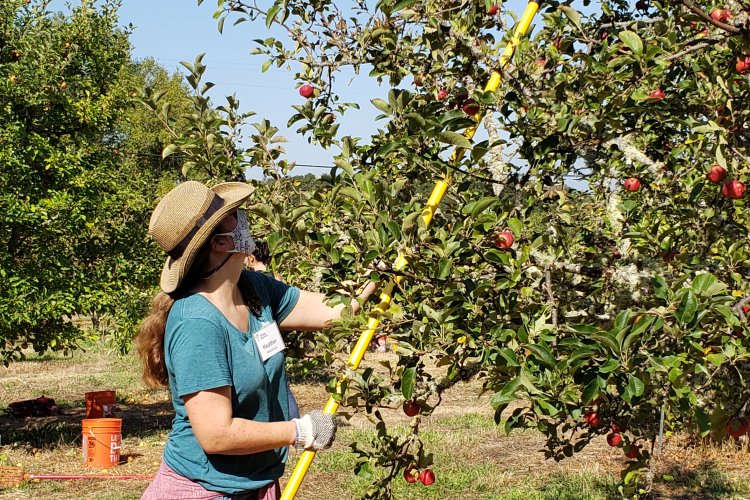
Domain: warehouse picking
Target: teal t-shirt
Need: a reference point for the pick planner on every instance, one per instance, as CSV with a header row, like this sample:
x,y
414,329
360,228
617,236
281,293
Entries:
x,y
203,350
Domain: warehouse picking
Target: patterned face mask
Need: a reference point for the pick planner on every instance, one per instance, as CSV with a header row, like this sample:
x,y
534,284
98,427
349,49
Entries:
x,y
243,242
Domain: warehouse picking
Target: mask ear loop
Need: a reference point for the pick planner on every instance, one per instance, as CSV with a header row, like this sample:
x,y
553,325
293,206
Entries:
x,y
210,273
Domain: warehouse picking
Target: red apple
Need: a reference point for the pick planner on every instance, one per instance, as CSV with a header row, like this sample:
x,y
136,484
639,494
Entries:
x,y
541,62
503,240
736,427
614,439
616,254
633,451
632,184
306,91
442,95
734,190
410,474
592,418
720,15
743,65
616,428
492,10
427,477
716,174
657,94
470,107
641,5
746,309
411,408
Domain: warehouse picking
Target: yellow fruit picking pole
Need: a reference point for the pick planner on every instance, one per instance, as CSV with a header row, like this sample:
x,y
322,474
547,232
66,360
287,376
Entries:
x,y
358,353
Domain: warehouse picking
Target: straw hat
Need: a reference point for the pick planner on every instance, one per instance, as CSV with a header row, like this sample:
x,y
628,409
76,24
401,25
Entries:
x,y
185,217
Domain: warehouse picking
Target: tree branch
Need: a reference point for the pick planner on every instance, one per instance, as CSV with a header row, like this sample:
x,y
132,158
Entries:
x,y
700,13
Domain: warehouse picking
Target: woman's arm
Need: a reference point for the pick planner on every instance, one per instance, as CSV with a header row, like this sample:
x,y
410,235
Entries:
x,y
313,313
210,414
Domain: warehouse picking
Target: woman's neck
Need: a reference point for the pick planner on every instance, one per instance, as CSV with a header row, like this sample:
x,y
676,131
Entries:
x,y
221,287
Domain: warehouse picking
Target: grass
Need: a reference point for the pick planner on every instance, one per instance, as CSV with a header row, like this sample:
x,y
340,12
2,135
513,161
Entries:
x,y
472,458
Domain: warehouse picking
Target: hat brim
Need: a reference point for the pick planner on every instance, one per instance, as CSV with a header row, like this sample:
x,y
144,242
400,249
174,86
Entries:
x,y
234,195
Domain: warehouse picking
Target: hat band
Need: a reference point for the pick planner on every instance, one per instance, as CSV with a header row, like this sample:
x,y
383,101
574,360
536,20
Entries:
x,y
180,248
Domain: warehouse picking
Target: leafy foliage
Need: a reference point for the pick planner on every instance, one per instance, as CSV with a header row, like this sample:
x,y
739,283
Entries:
x,y
615,302
77,182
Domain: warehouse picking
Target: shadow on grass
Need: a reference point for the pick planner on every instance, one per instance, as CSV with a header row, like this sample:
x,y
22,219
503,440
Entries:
x,y
64,429
706,480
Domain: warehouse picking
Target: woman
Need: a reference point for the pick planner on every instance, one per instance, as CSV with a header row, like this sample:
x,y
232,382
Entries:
x,y
213,337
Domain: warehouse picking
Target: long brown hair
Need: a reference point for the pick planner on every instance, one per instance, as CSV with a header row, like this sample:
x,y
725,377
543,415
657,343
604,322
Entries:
x,y
150,339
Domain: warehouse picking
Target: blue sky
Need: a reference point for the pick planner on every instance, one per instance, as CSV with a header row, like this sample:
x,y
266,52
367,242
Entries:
x,y
171,31
177,30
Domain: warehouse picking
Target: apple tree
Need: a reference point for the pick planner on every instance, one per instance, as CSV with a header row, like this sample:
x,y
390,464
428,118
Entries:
x,y
589,261
77,178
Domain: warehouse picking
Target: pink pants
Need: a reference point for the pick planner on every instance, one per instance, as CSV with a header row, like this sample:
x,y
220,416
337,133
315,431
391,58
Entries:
x,y
168,485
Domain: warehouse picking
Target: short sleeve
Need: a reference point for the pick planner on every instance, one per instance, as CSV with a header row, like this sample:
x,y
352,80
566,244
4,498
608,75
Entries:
x,y
198,343
281,297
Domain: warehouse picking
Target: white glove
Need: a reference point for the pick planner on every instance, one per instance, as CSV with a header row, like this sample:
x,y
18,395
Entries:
x,y
315,431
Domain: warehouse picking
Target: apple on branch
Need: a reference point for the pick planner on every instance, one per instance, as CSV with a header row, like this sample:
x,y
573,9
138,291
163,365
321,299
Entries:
x,y
657,94
503,240
470,107
427,477
592,418
306,91
411,408
632,184
721,15
410,474
716,174
734,190
614,439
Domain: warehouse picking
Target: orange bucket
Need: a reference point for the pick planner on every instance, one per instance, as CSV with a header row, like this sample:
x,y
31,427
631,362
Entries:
x,y
101,442
100,404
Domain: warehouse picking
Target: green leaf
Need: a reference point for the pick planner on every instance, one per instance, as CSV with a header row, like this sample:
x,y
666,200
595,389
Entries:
x,y
716,359
382,106
703,420
661,289
632,40
543,353
516,226
571,14
402,5
702,282
455,139
482,204
591,391
345,166
407,382
610,366
635,385
607,341
266,65
169,150
687,306
584,329
271,15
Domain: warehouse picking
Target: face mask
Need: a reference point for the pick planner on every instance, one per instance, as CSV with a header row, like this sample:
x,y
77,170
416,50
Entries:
x,y
243,242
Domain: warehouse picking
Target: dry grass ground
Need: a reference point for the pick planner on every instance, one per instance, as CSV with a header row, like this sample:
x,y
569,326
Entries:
x,y
473,460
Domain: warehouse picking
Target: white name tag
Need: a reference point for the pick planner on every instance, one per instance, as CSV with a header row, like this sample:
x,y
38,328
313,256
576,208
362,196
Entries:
x,y
268,340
